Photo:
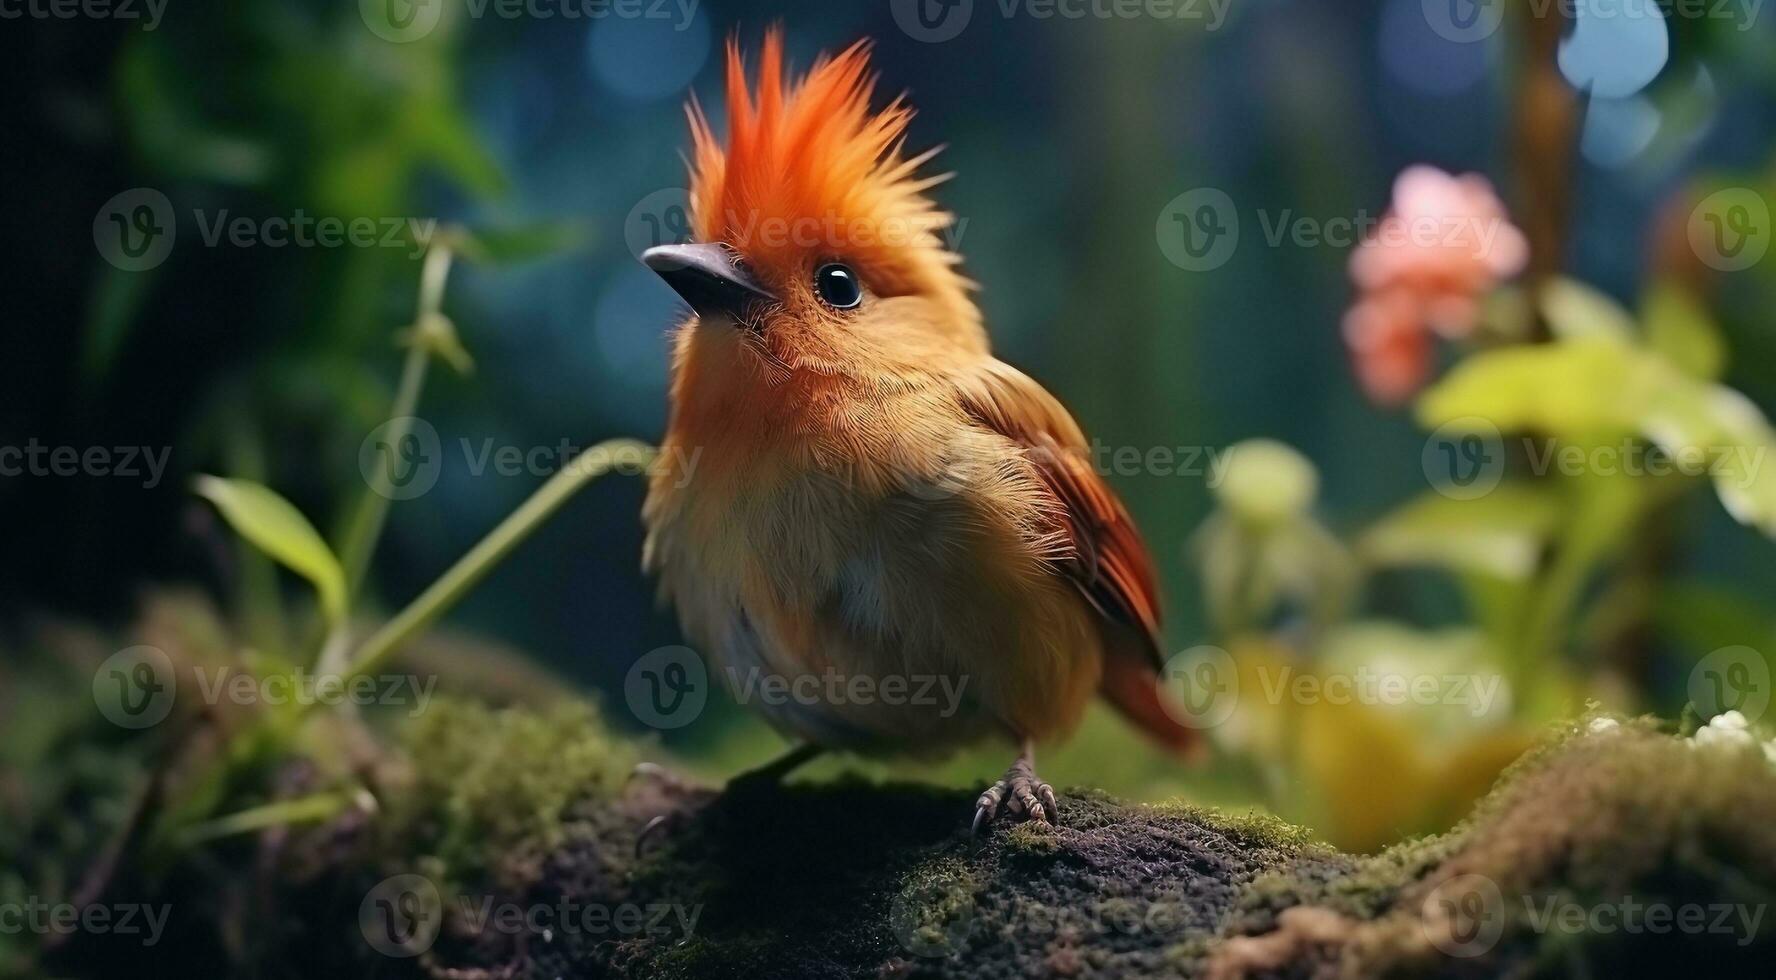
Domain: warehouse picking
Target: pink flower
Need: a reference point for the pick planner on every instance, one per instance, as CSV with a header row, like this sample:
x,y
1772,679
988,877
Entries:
x,y
1385,333
1444,243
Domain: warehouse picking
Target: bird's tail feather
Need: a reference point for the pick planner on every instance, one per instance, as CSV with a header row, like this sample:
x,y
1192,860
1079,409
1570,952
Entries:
x,y
1132,685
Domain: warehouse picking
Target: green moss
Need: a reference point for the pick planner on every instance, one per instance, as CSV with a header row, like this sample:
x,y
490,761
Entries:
x,y
1033,839
698,957
934,910
1591,819
1254,828
486,783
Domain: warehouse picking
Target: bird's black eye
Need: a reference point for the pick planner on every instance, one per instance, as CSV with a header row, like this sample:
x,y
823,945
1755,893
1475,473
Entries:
x,y
838,286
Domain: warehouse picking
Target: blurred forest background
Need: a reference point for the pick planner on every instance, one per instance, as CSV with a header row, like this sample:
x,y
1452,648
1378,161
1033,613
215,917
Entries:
x,y
551,137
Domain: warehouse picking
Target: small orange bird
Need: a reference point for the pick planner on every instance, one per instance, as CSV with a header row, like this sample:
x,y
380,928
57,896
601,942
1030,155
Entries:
x,y
882,509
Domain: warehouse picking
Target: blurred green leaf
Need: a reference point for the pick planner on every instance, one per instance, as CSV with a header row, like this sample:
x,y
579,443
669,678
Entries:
x,y
277,528
1575,311
156,90
1716,429
446,133
1579,388
1680,327
1384,648
1501,534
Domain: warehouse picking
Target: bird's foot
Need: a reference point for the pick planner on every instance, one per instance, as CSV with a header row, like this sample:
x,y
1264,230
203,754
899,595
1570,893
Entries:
x,y
1021,793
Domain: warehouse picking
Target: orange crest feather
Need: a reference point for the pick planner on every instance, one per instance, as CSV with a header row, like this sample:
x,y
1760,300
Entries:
x,y
809,173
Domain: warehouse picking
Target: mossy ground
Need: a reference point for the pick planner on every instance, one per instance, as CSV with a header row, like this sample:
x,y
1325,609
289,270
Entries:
x,y
847,878
1554,874
537,809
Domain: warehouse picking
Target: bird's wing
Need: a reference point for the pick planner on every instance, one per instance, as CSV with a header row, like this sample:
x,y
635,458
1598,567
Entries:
x,y
1109,563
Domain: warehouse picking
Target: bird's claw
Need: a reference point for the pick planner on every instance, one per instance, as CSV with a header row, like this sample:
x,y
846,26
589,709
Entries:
x,y
1029,797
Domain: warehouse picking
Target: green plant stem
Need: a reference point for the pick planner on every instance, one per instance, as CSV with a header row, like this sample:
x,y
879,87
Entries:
x,y
472,567
1550,616
372,513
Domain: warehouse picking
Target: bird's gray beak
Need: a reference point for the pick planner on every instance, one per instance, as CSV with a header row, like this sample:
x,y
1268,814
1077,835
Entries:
x,y
708,277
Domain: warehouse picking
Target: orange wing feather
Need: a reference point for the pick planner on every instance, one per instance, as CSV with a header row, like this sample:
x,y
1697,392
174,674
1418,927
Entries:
x,y
1109,562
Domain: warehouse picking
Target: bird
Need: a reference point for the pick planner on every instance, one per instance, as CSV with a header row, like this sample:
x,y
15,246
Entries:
x,y
877,495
